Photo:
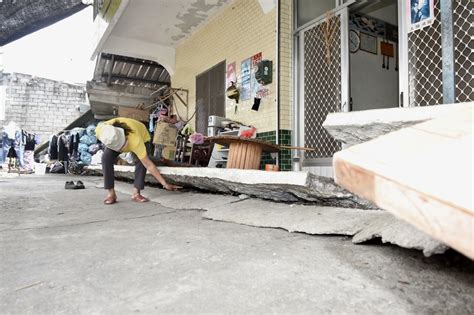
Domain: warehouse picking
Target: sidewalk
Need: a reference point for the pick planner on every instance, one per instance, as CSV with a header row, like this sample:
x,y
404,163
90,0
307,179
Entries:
x,y
64,251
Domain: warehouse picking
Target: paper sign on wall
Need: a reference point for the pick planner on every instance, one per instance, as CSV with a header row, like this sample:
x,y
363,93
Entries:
x,y
245,68
254,84
230,75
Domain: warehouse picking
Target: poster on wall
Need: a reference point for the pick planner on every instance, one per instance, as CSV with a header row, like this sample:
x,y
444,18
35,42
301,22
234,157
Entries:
x,y
230,75
245,79
420,14
254,84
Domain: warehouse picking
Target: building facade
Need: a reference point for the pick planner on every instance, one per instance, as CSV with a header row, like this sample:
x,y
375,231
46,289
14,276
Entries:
x,y
326,56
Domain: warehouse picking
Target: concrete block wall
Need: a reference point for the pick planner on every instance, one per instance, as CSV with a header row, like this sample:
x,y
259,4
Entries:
x,y
238,32
40,105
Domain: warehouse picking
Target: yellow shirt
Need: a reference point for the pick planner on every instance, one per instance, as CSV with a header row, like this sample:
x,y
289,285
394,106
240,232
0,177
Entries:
x,y
136,138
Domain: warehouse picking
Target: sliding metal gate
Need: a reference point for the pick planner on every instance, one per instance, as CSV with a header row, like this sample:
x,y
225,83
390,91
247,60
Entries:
x,y
323,70
425,64
463,19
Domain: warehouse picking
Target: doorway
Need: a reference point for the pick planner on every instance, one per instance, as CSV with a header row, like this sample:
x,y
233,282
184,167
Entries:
x,y
331,78
373,57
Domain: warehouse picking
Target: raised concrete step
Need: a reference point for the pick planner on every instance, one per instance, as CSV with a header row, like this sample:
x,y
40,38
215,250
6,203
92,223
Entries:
x,y
277,186
361,126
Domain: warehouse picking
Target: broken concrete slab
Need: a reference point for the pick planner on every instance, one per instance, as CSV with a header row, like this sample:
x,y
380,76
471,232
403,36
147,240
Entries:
x,y
356,127
363,225
277,186
294,218
399,232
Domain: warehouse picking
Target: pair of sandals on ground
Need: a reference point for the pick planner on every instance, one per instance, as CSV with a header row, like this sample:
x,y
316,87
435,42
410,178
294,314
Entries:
x,y
71,185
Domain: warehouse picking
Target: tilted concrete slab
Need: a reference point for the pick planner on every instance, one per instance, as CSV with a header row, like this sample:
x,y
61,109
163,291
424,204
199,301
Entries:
x,y
277,186
361,126
361,225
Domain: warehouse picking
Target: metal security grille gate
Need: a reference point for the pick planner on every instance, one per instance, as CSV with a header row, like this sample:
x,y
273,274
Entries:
x,y
323,85
463,19
425,66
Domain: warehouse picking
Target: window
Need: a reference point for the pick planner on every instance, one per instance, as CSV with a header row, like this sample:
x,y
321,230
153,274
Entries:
x,y
308,10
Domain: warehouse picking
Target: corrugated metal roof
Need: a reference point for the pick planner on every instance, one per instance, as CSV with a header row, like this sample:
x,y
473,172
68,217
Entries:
x,y
115,69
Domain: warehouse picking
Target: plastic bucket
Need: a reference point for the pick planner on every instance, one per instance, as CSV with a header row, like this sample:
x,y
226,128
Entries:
x,y
271,168
40,168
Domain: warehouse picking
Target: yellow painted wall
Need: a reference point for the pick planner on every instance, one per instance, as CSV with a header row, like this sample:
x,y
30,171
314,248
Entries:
x,y
286,80
240,31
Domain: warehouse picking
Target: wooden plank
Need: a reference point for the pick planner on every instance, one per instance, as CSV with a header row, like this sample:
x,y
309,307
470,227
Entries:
x,y
231,156
227,140
250,157
422,174
243,157
238,156
257,158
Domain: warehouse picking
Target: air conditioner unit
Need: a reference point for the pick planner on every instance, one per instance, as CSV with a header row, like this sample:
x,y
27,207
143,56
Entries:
x,y
216,121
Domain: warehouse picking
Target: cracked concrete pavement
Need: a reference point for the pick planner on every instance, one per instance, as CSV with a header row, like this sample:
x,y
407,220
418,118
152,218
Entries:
x,y
63,251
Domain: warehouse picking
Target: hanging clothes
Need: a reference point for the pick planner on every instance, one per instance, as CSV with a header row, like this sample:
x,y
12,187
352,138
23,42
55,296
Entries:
x,y
12,147
2,153
11,130
29,160
63,151
53,148
30,142
29,147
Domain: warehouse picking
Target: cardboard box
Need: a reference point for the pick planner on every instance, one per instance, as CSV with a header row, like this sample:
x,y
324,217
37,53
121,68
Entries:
x,y
165,134
134,113
169,152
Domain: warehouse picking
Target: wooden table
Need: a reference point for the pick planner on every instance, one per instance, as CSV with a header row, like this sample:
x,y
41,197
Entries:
x,y
244,153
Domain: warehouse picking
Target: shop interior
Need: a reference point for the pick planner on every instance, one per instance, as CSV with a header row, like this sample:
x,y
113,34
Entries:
x,y
373,55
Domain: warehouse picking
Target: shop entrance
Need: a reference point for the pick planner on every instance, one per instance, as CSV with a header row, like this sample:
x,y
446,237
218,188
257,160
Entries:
x,y
373,57
346,60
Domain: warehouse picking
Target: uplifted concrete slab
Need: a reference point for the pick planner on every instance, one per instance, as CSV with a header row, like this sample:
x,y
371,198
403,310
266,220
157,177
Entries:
x,y
356,127
362,225
277,186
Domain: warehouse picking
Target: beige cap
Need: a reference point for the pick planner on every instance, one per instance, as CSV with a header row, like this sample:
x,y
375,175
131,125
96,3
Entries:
x,y
112,137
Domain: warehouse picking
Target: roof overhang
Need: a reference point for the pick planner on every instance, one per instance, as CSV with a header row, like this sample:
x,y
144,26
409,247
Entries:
x,y
20,18
121,81
151,29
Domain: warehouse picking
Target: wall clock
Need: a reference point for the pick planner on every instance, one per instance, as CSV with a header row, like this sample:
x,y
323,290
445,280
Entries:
x,y
354,41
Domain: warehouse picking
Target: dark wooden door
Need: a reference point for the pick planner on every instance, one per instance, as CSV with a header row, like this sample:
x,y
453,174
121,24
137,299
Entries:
x,y
210,95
